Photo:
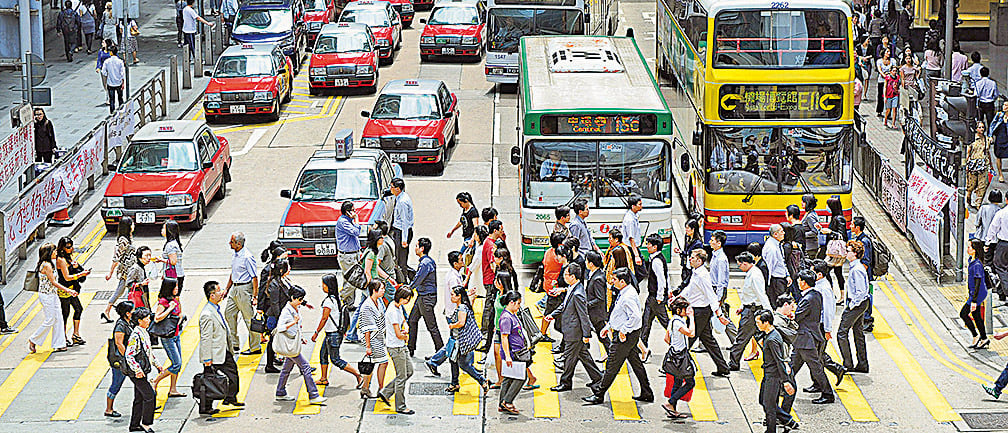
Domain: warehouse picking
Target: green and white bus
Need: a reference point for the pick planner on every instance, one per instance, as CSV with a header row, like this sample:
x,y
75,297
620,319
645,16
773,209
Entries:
x,y
595,126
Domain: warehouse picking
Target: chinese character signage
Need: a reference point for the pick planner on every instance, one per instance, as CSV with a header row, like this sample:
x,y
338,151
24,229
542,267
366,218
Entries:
x,y
742,101
926,196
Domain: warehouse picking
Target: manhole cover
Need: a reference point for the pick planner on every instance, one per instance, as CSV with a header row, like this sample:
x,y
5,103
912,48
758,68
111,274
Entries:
x,y
428,388
986,420
103,295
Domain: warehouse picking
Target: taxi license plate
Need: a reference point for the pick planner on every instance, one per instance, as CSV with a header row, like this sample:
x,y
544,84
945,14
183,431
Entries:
x,y
145,217
114,213
398,157
325,249
342,82
238,109
448,51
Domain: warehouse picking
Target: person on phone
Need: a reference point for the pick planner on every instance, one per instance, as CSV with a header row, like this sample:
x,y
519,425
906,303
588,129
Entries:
x,y
348,231
776,373
401,228
140,358
290,323
396,334
71,275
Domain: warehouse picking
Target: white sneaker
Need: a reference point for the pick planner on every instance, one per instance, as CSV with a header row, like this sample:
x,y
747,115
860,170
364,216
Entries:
x,y
318,400
286,398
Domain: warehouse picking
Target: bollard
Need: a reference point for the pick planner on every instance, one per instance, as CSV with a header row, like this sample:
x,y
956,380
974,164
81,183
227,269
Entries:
x,y
186,70
173,77
198,60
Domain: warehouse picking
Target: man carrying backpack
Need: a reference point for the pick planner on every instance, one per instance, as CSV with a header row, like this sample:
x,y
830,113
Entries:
x,y
857,228
68,23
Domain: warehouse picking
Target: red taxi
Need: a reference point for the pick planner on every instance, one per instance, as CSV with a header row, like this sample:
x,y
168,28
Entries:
x,y
249,79
329,178
169,170
383,20
345,55
414,121
455,28
317,14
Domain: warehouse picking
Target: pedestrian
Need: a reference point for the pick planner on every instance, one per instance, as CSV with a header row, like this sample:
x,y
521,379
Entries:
x,y
793,245
776,374
469,336
289,324
329,323
277,297
973,309
514,351
122,261
132,34
865,62
114,71
972,73
987,94
228,10
180,6
120,336
876,30
88,16
752,296
270,257
631,227
810,338
140,358
215,351
595,294
348,231
995,201
882,66
680,328
978,165
242,289
45,137
997,130
71,275
719,276
837,231
618,255
103,55
190,26
700,294
49,285
624,325
756,250
828,319
387,255
693,240
372,324
853,315
372,269
579,228
892,94
1002,380
658,288
563,219
959,60
397,331
811,226
68,23
773,254
576,328
884,44
136,278
933,58
857,229
169,304
786,325
109,25
495,229
453,279
468,220
425,284
474,270
904,21
401,227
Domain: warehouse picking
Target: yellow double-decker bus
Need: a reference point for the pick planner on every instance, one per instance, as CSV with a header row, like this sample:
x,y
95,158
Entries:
x,y
762,99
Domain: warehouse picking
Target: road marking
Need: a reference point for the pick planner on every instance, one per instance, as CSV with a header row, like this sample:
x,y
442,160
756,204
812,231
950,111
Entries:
x,y
495,177
545,403
380,408
198,114
914,374
247,365
30,365
851,396
466,399
251,142
86,384
279,122
621,393
190,340
10,338
303,407
701,405
496,132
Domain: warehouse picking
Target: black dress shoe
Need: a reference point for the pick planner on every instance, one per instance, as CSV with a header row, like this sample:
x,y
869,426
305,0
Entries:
x,y
646,398
558,350
859,369
137,429
560,388
406,411
546,339
699,349
433,369
235,403
840,375
592,399
252,352
721,373
733,368
812,389
210,413
272,370
824,400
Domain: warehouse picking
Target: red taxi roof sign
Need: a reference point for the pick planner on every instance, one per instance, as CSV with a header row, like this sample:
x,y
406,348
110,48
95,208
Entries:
x,y
247,46
344,143
344,24
412,83
166,128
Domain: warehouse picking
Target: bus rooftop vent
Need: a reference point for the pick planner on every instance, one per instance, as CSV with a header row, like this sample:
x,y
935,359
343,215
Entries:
x,y
583,55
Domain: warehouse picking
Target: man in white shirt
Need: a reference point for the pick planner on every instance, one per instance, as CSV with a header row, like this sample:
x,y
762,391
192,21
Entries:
x,y
825,288
631,227
114,71
773,255
190,26
401,226
753,298
700,294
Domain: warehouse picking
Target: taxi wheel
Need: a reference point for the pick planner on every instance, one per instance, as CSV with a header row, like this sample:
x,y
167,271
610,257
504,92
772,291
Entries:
x,y
222,192
287,96
275,115
200,219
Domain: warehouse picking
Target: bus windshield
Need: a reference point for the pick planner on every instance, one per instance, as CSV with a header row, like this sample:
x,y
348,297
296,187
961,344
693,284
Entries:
x,y
603,172
779,160
781,39
508,25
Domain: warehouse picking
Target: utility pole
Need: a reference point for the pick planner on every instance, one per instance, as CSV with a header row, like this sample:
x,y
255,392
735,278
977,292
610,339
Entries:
x,y
949,26
122,48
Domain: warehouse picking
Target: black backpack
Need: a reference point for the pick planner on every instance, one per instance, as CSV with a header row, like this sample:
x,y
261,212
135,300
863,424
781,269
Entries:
x,y
880,259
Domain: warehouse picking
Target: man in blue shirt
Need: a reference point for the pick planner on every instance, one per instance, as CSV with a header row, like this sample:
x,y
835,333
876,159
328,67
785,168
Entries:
x,y
401,228
348,254
579,229
425,284
857,228
242,291
553,167
987,94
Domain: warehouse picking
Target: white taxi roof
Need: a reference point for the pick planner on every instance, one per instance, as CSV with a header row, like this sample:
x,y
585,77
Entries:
x,y
367,4
240,49
412,87
361,158
169,130
336,28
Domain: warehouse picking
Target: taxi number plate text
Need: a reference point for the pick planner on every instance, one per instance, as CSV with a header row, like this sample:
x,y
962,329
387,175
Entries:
x,y
342,82
325,249
398,157
145,217
448,51
238,109
114,213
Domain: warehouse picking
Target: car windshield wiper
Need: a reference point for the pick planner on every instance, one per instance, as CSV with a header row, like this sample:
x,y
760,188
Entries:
x,y
752,191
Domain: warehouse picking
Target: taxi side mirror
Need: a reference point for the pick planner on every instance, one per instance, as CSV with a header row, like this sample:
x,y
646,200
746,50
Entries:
x,y
285,193
365,114
283,70
208,165
449,114
515,155
423,21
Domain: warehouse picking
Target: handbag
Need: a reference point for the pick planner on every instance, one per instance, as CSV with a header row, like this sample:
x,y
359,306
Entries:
x,y
31,281
678,363
76,268
364,367
836,249
285,344
210,385
115,360
165,328
136,296
533,334
354,275
522,355
258,324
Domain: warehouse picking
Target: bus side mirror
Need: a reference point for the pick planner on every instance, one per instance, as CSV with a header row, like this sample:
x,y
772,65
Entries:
x,y
629,32
515,155
684,162
697,138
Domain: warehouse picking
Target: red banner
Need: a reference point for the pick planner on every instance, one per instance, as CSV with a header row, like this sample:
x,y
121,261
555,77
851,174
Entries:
x,y
16,152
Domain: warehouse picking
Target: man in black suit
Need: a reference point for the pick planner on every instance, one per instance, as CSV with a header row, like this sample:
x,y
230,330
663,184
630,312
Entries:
x,y
595,292
810,337
576,328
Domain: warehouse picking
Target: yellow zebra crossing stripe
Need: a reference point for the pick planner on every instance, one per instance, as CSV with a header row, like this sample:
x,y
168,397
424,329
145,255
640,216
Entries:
x,y
247,365
466,399
303,407
189,342
851,397
701,405
86,384
545,403
621,393
35,308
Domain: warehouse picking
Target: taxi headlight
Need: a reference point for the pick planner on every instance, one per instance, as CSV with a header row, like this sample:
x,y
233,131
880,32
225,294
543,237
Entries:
x,y
289,232
363,69
179,200
213,97
316,71
370,142
469,40
262,95
114,202
407,7
427,143
427,40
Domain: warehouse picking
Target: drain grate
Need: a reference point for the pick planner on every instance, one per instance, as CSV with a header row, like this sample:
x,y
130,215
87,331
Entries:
x,y
428,388
102,295
986,420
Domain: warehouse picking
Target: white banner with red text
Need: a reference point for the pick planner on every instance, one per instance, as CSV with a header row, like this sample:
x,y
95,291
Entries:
x,y
926,196
16,152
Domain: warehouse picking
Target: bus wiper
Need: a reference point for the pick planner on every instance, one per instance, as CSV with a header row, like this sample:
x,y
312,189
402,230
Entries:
x,y
613,186
752,191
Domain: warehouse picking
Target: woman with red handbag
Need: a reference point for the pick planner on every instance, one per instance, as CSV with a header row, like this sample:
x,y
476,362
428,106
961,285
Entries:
x,y
680,329
136,278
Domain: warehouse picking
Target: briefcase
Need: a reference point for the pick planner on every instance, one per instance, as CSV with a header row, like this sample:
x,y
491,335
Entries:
x,y
530,327
211,386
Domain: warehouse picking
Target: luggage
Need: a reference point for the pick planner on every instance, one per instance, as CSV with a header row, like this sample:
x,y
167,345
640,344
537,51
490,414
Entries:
x,y
210,385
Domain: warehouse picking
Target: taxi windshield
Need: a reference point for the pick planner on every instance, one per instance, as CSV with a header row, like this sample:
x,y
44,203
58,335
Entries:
x,y
371,17
159,156
263,21
244,66
315,5
406,107
337,184
343,43
454,15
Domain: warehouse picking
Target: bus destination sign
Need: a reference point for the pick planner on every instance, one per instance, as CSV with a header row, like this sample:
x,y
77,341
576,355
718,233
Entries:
x,y
752,102
598,124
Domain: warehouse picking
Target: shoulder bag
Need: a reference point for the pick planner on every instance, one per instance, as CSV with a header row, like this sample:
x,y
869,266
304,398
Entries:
x,y
678,364
31,281
210,385
354,275
286,343
166,328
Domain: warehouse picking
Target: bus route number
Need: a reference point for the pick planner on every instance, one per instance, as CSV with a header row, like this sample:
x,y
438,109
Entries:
x,y
779,5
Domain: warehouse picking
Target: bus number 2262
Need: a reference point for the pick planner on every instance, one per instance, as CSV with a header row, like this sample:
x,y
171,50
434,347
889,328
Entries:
x,y
779,5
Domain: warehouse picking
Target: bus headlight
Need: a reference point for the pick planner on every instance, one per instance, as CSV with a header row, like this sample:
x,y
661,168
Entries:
x,y
427,143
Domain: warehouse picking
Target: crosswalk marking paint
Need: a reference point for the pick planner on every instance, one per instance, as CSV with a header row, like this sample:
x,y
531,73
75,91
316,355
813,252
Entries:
x,y
851,397
621,393
914,374
545,403
701,405
303,407
380,408
466,399
31,315
190,341
86,384
35,308
247,365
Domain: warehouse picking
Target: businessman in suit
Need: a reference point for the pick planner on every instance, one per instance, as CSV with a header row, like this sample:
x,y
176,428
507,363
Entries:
x,y
576,328
810,338
595,291
215,350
